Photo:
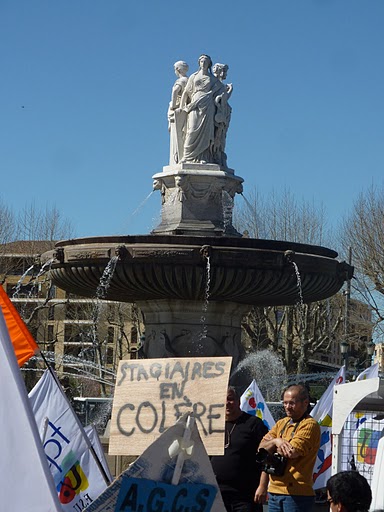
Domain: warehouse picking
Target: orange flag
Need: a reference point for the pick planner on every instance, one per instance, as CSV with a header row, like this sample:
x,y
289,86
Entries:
x,y
23,343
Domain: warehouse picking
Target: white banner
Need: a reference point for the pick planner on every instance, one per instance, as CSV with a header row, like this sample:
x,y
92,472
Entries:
x,y
93,436
76,474
369,373
25,478
322,413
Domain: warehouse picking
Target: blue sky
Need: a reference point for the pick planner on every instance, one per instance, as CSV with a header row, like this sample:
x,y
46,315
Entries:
x,y
85,86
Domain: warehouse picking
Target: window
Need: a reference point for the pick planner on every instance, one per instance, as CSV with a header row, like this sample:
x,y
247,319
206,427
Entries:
x,y
51,313
111,334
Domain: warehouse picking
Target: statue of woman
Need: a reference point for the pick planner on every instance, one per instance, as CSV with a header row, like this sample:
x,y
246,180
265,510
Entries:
x,y
222,116
176,117
198,100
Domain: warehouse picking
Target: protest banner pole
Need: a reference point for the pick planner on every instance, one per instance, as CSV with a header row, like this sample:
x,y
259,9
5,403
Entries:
x,y
182,453
81,428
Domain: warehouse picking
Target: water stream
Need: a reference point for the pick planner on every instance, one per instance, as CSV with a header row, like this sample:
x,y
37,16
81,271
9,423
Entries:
x,y
255,220
203,318
300,302
266,368
139,208
106,278
82,367
20,282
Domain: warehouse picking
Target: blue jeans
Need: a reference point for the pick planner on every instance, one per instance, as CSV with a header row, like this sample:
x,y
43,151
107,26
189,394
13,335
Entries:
x,y
286,503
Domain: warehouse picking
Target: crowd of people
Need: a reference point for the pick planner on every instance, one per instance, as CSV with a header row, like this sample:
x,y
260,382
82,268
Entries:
x,y
276,466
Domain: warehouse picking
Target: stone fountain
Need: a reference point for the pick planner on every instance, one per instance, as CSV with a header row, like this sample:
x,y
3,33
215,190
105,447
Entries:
x,y
195,276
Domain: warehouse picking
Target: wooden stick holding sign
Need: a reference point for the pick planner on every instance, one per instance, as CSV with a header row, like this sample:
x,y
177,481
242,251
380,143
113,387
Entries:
x,y
183,450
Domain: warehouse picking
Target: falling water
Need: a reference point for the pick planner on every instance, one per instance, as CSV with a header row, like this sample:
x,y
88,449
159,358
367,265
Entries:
x,y
204,329
251,209
257,221
45,268
34,281
141,205
300,302
20,282
106,278
266,368
82,367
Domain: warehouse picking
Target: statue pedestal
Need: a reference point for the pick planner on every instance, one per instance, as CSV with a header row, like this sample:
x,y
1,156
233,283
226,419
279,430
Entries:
x,y
197,199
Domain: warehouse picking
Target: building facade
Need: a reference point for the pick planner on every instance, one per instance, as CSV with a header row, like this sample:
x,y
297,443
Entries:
x,y
84,339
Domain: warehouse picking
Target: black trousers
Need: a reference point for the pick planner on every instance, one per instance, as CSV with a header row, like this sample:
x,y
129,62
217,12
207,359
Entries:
x,y
238,502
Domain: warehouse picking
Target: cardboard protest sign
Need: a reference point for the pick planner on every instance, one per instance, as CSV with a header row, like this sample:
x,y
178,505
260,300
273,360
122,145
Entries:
x,y
146,484
152,394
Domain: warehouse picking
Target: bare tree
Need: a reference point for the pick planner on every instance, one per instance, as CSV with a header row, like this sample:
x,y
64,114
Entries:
x,y
46,224
363,231
7,224
282,218
23,238
299,332
7,233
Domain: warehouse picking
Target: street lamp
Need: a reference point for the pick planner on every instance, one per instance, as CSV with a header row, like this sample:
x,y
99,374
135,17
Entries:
x,y
370,350
344,350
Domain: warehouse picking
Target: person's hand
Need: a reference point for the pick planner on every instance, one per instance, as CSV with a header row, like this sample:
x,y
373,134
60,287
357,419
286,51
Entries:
x,y
260,494
283,447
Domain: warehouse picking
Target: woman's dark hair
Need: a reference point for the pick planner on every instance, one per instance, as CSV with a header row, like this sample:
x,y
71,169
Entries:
x,y
350,489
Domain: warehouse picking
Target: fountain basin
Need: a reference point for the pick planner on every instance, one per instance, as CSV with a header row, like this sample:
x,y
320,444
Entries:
x,y
154,267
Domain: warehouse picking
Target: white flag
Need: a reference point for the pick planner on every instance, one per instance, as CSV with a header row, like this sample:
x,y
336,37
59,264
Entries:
x,y
93,436
369,373
252,402
76,474
322,413
26,482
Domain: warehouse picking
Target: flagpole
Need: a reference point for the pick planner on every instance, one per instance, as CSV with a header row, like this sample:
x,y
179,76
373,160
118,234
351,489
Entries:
x,y
87,440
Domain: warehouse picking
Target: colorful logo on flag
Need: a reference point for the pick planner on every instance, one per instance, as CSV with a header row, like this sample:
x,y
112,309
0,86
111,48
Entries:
x,y
74,480
324,455
256,409
367,443
253,403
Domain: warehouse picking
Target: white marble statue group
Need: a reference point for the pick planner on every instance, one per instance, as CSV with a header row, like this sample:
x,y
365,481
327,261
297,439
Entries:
x,y
199,114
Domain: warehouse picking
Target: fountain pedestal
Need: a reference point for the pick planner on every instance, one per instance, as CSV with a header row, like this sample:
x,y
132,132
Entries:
x,y
175,328
197,199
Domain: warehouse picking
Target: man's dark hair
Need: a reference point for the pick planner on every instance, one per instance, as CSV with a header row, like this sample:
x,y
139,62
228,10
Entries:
x,y
350,489
234,391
